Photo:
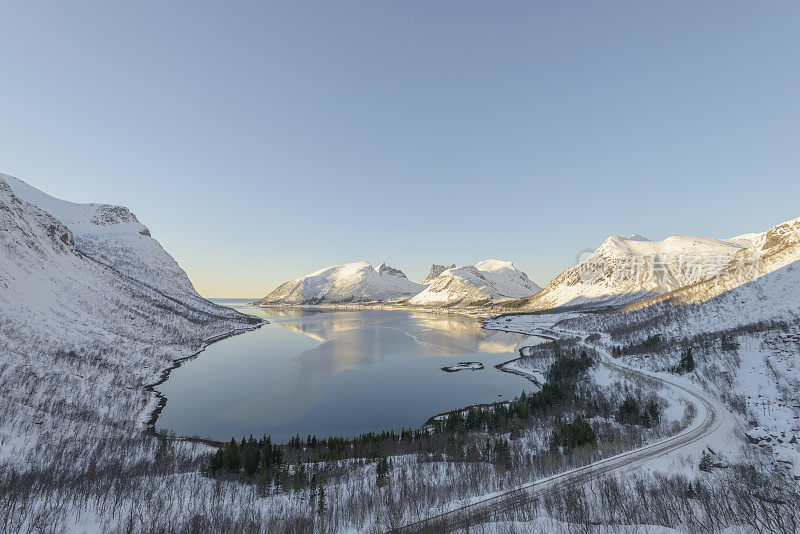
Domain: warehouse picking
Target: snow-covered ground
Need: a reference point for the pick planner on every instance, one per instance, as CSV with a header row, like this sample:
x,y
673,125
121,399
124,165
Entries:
x,y
94,311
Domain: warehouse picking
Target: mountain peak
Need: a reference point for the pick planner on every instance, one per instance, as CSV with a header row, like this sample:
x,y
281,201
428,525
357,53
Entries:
x,y
350,282
435,271
488,280
494,266
383,269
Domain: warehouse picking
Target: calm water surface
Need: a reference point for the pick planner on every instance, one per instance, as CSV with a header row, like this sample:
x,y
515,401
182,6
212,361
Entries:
x,y
337,373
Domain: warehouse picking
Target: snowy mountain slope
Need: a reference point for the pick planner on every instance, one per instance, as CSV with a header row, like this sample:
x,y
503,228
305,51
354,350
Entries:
x,y
435,271
772,297
113,236
78,339
744,342
633,267
350,282
486,280
769,251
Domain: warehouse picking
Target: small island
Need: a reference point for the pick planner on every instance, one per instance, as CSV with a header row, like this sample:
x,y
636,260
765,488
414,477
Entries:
x,y
463,366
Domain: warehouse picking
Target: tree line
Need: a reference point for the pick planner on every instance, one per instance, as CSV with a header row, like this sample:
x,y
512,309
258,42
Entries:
x,y
300,463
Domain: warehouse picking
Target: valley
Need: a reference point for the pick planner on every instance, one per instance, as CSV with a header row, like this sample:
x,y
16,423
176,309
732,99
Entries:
x,y
330,399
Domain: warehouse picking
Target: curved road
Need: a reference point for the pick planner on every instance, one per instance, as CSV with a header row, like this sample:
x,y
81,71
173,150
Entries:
x,y
709,418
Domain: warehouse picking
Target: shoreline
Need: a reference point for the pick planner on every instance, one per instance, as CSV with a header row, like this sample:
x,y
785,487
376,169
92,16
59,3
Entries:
x,y
463,312
152,415
500,367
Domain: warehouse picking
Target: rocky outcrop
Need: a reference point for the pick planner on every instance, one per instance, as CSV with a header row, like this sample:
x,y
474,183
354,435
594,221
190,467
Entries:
x,y
435,271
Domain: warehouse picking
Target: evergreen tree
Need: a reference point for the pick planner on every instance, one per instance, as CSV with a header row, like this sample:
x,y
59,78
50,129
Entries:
x,y
299,476
252,455
502,453
706,462
571,435
282,478
313,490
234,456
688,361
629,412
382,471
218,460
653,411
321,500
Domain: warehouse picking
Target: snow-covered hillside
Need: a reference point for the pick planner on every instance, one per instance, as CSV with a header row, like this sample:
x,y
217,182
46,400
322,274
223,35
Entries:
x,y
488,280
351,282
80,333
92,310
777,247
113,236
626,269
771,298
744,343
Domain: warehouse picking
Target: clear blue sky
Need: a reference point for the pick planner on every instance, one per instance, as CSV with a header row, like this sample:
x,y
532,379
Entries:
x,y
260,141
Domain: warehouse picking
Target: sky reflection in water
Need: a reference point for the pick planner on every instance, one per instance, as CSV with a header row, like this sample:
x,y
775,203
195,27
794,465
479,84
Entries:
x,y
337,373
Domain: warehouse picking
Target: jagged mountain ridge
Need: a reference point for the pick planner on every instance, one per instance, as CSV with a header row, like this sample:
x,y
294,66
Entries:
x,y
95,241
622,271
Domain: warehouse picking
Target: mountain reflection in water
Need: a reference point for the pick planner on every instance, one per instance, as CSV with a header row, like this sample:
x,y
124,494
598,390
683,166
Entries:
x,y
349,372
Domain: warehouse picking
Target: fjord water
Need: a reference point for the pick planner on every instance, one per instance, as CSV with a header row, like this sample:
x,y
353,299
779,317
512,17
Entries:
x,y
337,373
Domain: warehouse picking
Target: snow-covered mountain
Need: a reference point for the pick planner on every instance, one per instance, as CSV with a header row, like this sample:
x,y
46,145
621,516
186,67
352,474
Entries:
x,y
113,236
101,235
81,326
626,269
350,282
488,280
770,251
